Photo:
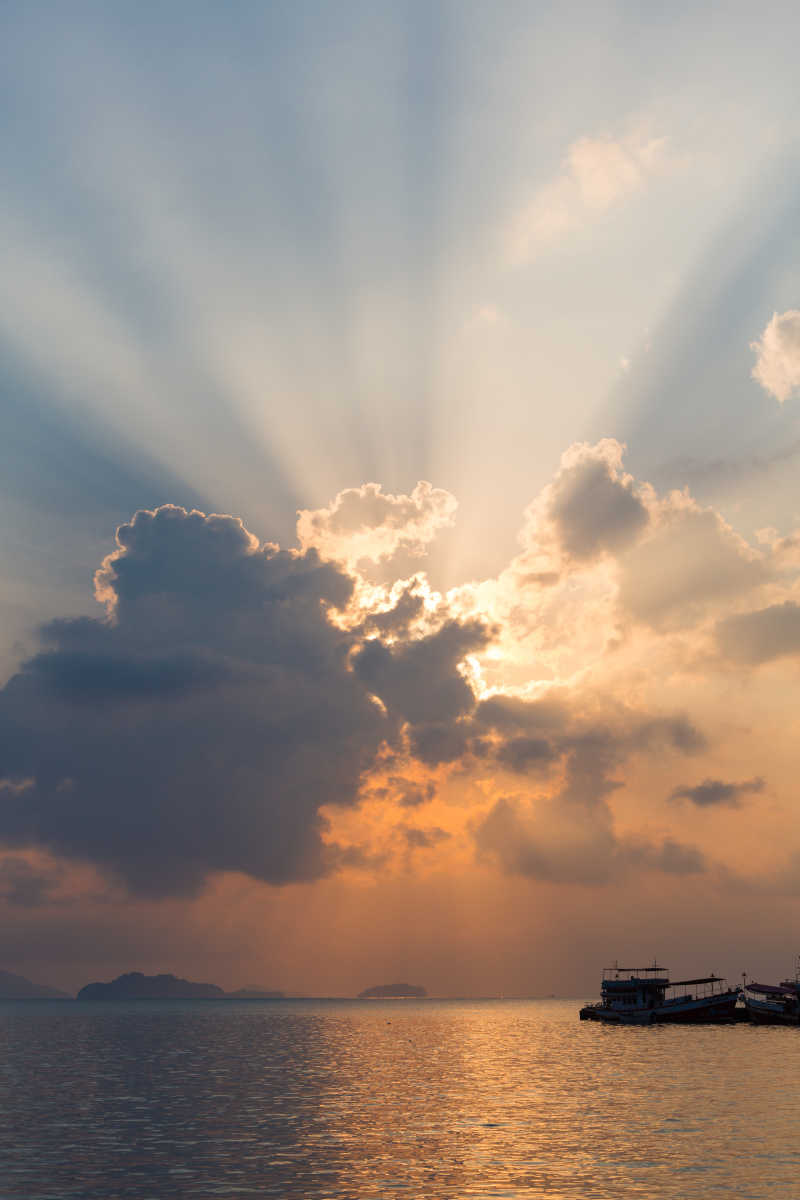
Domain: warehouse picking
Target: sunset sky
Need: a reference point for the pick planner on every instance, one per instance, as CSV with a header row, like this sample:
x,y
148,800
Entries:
x,y
400,540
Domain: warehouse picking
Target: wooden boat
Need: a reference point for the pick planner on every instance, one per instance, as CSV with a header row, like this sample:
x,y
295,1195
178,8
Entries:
x,y
774,1004
647,996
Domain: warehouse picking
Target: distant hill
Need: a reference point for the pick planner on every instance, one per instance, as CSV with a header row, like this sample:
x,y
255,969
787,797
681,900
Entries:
x,y
388,991
16,987
136,986
254,993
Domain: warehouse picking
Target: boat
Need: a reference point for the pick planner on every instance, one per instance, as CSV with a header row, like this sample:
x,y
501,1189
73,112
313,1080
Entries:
x,y
647,996
774,1004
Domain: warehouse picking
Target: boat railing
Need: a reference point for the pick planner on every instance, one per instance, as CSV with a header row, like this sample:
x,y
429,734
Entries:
x,y
617,972
705,986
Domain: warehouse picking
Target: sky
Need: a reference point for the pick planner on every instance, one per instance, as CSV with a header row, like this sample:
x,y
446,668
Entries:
x,y
400,539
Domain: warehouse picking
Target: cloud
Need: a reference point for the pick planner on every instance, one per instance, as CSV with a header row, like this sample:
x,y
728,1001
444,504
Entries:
x,y
522,753
567,834
596,174
419,679
593,503
25,885
712,793
425,839
236,699
534,842
406,606
409,794
367,523
203,725
537,841
777,367
206,723
762,635
676,858
592,508
691,559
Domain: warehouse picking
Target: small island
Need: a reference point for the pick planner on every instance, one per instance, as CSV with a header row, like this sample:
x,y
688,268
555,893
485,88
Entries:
x,y
136,986
17,987
393,991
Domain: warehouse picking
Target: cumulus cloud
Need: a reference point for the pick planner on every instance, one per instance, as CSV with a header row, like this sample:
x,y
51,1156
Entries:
x,y
207,721
236,698
203,724
766,633
596,174
593,734
777,366
691,558
567,833
369,524
540,842
712,793
592,507
419,680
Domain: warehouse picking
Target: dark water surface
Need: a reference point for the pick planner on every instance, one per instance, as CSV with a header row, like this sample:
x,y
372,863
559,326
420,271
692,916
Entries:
x,y
420,1099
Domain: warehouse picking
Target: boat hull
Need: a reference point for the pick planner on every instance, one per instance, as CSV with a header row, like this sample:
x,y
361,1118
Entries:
x,y
707,1010
765,1012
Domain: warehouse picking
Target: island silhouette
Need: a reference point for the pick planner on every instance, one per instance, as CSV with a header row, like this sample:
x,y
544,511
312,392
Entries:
x,y
134,985
17,987
393,991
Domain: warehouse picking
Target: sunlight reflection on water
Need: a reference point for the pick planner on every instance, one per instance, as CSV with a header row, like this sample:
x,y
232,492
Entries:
x,y
347,1099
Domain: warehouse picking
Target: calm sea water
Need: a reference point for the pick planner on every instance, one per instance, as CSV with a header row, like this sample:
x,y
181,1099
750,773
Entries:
x,y
347,1099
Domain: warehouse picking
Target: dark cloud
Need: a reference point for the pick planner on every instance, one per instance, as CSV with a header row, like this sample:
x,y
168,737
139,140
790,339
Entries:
x,y
671,857
24,885
214,714
396,620
759,636
419,679
522,753
530,841
91,675
531,734
203,725
425,839
594,508
712,793
439,742
676,731
411,795
569,837
511,714
569,846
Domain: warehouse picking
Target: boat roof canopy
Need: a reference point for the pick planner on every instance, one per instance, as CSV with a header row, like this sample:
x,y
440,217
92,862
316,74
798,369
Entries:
x,y
635,970
768,989
686,982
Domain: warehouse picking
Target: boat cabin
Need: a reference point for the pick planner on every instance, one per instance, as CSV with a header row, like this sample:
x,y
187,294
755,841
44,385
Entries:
x,y
634,987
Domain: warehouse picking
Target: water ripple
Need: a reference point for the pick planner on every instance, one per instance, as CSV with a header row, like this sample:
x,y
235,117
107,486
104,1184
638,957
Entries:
x,y
354,1100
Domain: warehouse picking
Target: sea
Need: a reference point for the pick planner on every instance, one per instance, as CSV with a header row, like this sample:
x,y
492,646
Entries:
x,y
369,1099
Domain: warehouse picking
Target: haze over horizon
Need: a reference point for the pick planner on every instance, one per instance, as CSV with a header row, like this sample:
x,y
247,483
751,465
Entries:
x,y
399,428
